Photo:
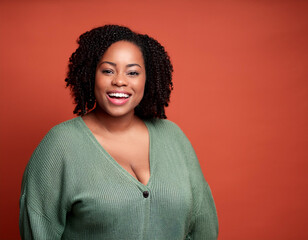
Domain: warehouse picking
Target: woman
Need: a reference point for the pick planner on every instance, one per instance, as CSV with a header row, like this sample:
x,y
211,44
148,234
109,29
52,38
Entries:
x,y
119,170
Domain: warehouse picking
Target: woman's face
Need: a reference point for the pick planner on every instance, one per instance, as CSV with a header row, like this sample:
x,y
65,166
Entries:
x,y
120,79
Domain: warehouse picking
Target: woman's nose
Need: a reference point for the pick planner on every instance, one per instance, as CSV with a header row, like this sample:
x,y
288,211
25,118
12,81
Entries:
x,y
119,80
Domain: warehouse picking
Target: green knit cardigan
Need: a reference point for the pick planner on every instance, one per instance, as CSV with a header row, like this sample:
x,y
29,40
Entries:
x,y
73,189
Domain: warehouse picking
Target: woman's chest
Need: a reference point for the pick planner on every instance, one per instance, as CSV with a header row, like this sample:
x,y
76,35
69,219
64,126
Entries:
x,y
110,198
133,156
131,152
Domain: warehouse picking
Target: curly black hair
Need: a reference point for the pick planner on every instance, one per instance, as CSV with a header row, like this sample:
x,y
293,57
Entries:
x,y
94,43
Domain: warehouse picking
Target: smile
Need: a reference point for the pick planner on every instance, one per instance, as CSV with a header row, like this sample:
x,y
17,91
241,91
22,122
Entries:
x,y
118,98
118,95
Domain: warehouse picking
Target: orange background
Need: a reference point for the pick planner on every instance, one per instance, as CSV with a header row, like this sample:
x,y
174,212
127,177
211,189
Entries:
x,y
241,96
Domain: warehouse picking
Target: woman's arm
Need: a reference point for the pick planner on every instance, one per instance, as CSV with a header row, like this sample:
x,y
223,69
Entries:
x,y
43,201
204,223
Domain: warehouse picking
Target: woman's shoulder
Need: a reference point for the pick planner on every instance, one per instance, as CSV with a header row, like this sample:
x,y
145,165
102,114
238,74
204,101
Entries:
x,y
55,144
70,125
163,124
66,129
168,128
60,134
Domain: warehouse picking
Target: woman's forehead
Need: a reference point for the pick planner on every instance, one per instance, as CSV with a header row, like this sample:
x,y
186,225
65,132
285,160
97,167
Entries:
x,y
123,51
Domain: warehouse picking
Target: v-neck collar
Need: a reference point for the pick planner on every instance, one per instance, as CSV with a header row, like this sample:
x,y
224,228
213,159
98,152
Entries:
x,y
114,162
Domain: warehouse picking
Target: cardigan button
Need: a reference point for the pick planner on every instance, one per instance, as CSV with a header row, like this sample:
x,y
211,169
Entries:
x,y
145,194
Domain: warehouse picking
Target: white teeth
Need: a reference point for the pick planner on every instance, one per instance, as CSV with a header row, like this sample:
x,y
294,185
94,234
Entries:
x,y
119,95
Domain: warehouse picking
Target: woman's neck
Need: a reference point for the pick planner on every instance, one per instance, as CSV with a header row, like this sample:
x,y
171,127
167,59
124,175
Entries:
x,y
114,125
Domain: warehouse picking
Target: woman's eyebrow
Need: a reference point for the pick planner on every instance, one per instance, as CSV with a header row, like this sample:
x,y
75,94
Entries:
x,y
133,64
114,64
111,63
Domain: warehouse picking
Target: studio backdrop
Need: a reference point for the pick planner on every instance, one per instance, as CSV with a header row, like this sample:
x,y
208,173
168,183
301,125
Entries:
x,y
240,95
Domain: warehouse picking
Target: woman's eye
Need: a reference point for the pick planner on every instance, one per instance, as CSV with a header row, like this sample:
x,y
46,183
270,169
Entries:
x,y
133,73
107,71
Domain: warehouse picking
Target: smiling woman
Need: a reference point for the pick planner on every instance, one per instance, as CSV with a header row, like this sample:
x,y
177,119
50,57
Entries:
x,y
120,79
119,170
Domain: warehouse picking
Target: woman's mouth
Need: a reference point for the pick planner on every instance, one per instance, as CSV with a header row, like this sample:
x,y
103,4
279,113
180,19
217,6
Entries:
x,y
118,95
118,98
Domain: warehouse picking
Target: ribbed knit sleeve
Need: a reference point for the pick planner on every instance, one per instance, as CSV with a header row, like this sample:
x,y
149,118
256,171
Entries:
x,y
204,223
43,201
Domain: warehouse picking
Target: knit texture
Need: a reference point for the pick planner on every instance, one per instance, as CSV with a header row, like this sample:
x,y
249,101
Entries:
x,y
73,189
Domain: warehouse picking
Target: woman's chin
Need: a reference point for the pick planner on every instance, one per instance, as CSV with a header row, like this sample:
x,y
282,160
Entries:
x,y
114,113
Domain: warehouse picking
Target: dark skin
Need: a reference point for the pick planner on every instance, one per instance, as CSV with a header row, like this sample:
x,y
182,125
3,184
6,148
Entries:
x,y
120,132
